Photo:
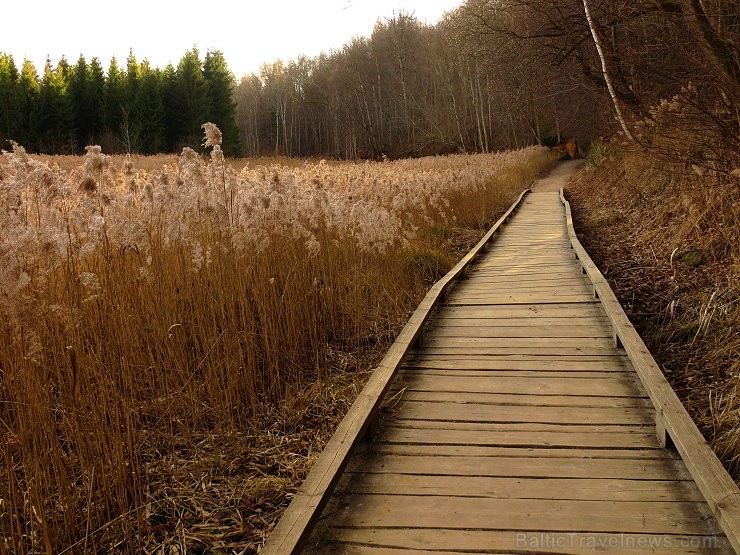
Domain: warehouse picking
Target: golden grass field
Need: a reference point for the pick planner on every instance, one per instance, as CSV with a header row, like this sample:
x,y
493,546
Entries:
x,y
180,334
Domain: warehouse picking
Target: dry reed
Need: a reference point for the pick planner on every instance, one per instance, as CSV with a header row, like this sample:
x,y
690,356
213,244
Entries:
x,y
178,339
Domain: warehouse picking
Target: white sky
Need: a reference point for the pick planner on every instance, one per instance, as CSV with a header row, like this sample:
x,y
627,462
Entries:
x,y
249,32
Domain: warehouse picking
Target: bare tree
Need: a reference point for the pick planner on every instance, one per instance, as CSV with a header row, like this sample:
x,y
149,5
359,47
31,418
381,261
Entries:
x,y
605,71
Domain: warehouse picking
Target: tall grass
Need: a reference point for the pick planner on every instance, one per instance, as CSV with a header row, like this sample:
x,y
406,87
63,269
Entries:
x,y
142,309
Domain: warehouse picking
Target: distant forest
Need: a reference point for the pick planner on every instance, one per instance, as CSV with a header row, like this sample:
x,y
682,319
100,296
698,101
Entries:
x,y
135,108
491,75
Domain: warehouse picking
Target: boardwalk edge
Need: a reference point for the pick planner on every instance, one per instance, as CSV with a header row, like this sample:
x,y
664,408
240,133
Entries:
x,y
673,424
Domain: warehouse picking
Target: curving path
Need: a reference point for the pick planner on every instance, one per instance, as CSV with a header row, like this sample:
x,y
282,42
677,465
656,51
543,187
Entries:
x,y
517,425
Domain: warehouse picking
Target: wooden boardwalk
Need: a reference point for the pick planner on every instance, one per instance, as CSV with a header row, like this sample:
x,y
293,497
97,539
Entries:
x,y
517,425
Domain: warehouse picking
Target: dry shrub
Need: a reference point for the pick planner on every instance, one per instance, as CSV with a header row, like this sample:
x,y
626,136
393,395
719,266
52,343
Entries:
x,y
177,342
696,127
667,238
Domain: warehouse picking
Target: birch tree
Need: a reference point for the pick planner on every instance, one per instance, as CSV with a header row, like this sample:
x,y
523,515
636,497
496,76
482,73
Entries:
x,y
605,71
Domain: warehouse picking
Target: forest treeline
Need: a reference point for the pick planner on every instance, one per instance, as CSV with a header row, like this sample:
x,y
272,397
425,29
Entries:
x,y
134,108
491,74
506,73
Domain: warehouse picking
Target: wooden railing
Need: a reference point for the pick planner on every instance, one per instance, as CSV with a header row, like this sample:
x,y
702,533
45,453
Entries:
x,y
673,424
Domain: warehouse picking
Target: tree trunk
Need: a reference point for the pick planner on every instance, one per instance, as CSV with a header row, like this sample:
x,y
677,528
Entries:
x,y
605,72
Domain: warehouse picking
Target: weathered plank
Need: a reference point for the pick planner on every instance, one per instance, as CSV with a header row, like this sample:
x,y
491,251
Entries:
x,y
397,396
532,467
459,300
475,412
381,447
654,517
538,351
584,309
585,440
435,340
493,277
594,387
421,541
604,489
415,370
535,364
477,287
428,424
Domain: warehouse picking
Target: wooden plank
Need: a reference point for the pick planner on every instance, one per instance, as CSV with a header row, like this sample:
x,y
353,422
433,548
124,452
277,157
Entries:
x,y
593,387
539,351
530,268
535,467
434,340
550,280
518,426
604,489
412,371
657,517
545,310
482,279
533,256
532,250
520,295
579,357
487,276
479,287
382,447
512,260
525,262
483,424
498,367
469,412
294,528
584,440
523,400
522,325
519,362
720,491
532,273
440,541
503,299
484,289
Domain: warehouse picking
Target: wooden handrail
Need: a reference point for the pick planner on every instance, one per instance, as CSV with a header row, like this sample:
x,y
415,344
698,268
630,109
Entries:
x,y
296,524
672,420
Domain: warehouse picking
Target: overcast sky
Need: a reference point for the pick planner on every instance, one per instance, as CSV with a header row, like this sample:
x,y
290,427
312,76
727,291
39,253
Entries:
x,y
249,32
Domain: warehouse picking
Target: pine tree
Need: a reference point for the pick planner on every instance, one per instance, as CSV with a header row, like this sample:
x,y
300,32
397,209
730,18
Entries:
x,y
169,99
29,91
113,105
221,94
96,95
190,101
10,100
149,109
78,92
131,126
54,112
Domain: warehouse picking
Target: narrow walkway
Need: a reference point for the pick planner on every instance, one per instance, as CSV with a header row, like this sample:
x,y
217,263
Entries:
x,y
518,427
